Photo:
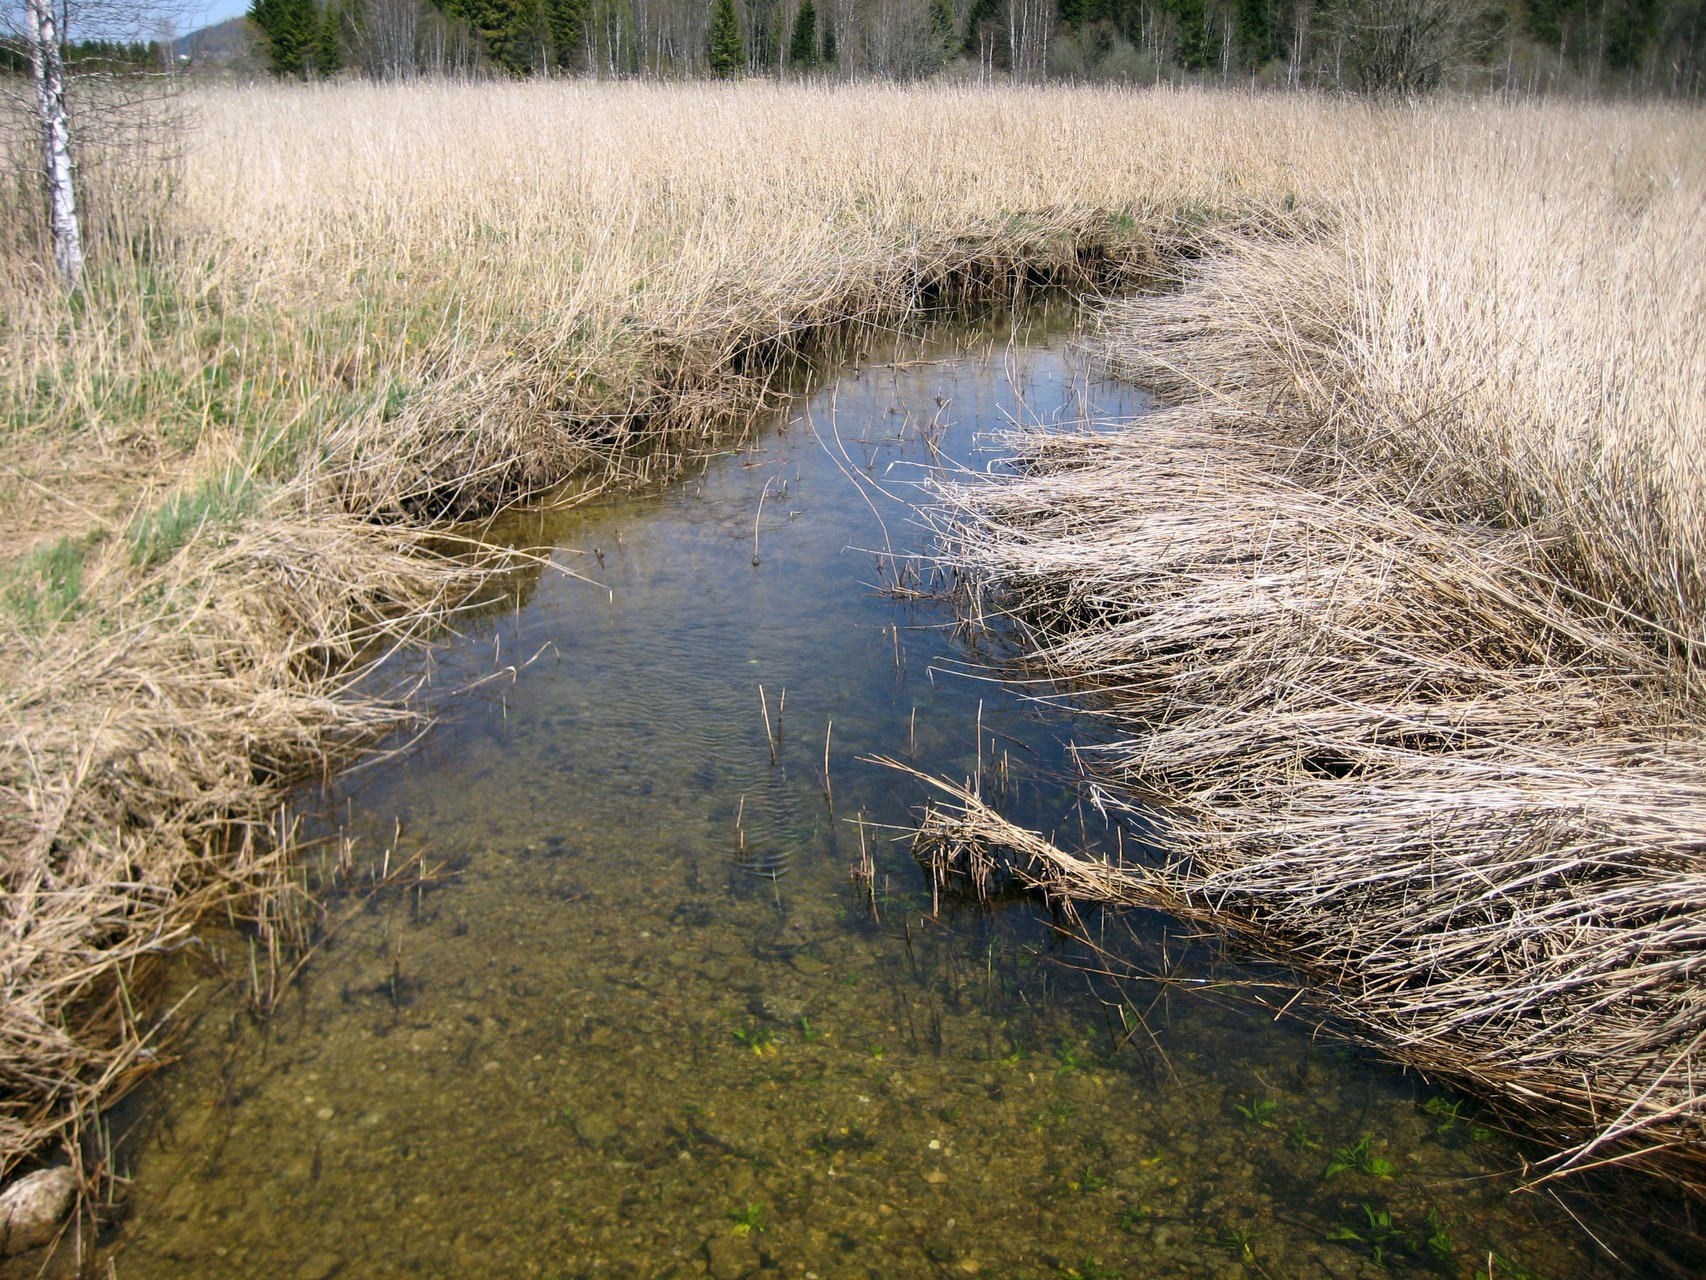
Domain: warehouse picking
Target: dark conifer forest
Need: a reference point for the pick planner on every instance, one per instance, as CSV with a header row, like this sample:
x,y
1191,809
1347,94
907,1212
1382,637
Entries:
x,y
1376,46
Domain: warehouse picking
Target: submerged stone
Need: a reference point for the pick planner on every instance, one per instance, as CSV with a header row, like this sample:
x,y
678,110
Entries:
x,y
320,1266
32,1207
731,1257
595,1129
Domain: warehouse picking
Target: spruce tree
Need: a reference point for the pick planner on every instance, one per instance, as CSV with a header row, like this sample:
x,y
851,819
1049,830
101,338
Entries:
x,y
942,25
727,52
981,11
802,47
1194,51
292,27
1255,36
1627,31
566,21
329,41
828,41
510,31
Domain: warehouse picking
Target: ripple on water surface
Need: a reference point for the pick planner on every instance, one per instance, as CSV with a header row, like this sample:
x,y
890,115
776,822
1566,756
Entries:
x,y
650,1029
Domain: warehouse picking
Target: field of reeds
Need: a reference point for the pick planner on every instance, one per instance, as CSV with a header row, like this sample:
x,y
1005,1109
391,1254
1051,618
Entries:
x,y
357,317
1401,612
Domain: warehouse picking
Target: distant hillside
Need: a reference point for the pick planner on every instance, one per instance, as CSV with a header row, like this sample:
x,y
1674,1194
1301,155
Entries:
x,y
235,41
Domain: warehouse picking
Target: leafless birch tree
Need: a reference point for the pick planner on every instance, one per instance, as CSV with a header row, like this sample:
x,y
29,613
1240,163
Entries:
x,y
94,116
47,69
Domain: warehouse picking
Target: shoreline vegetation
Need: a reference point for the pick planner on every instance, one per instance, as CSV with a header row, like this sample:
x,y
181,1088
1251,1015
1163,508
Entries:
x,y
1400,614
365,316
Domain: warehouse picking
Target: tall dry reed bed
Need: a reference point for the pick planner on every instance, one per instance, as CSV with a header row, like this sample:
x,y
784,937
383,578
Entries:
x,y
375,310
1401,610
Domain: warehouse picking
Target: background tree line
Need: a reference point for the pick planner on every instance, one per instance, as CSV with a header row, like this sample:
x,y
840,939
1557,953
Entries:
x,y
92,56
1641,46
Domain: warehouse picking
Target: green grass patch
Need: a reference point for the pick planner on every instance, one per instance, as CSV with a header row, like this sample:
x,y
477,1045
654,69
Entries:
x,y
217,502
46,586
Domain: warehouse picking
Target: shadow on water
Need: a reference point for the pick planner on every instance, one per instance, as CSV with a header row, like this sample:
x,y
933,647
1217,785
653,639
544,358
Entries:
x,y
650,1028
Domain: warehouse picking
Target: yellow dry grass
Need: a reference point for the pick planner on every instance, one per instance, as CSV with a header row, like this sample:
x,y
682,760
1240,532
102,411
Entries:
x,y
367,310
1402,609
1506,324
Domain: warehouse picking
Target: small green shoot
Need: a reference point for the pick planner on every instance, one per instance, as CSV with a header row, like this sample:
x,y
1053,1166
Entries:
x,y
877,1051
1235,1240
1360,1157
747,1220
1132,1215
1446,1113
1302,1137
761,1040
1448,1116
1377,1235
1057,1112
1439,1241
1069,1058
1088,1180
1258,1114
808,1033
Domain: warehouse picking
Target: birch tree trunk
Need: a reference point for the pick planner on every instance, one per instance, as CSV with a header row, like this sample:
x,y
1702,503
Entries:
x,y
49,75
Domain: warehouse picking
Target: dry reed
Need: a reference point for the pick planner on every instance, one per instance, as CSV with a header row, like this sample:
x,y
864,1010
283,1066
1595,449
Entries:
x,y
1399,613
141,768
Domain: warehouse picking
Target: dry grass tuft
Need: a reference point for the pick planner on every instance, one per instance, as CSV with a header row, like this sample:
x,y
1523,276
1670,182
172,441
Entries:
x,y
1503,327
1399,613
142,767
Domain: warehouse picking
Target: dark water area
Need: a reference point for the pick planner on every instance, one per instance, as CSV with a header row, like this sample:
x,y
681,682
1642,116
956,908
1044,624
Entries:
x,y
645,1024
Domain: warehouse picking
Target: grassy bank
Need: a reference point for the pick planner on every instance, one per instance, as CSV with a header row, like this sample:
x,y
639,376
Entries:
x,y
361,313
1400,609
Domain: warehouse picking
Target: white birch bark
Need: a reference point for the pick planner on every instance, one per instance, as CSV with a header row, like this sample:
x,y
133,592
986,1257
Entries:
x,y
49,74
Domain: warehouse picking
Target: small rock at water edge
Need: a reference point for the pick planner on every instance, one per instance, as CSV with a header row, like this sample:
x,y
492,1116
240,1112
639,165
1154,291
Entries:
x,y
31,1208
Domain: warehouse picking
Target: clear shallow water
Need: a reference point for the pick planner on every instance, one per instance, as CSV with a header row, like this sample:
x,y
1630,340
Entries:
x,y
649,1028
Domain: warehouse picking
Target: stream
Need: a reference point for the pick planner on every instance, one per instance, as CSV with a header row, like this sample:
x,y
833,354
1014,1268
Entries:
x,y
641,1021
